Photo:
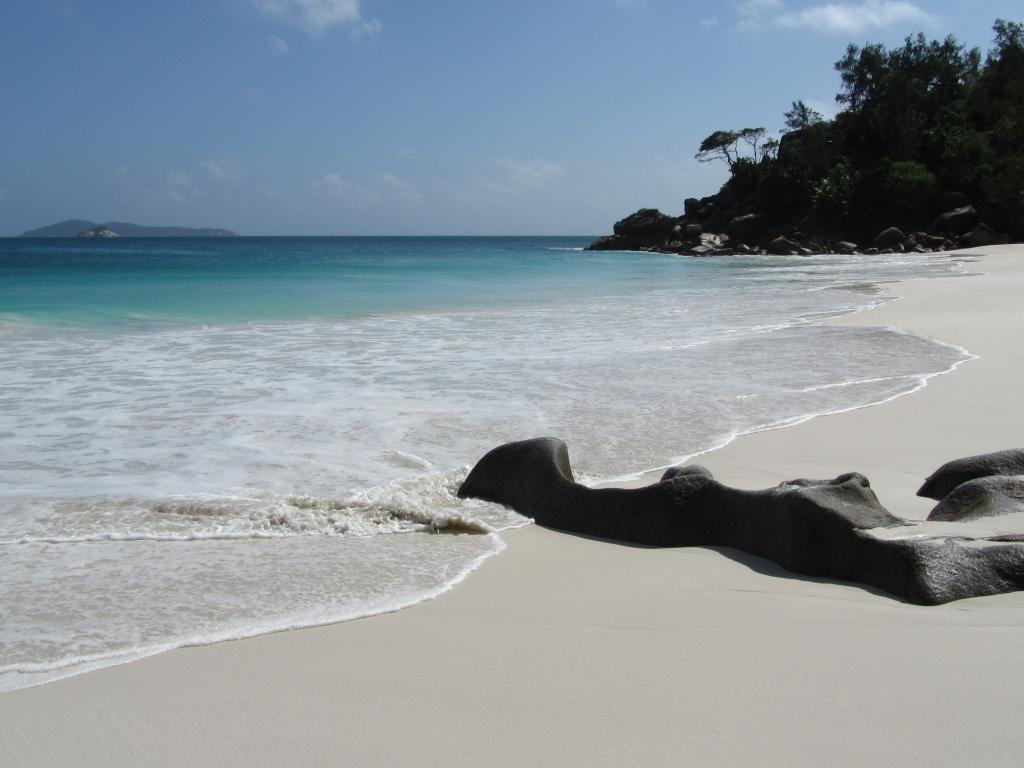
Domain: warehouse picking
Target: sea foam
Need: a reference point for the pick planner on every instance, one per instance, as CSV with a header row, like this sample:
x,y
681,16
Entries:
x,y
190,477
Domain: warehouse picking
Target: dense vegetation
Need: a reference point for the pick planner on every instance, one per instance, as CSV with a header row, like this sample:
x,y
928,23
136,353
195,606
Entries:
x,y
923,128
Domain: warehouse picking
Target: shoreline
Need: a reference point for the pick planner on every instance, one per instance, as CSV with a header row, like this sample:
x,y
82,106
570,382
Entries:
x,y
572,651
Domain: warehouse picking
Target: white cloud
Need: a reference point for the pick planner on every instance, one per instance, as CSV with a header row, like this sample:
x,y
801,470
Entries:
x,y
753,12
397,188
345,191
710,23
854,18
530,174
837,17
317,16
223,169
385,187
179,179
278,44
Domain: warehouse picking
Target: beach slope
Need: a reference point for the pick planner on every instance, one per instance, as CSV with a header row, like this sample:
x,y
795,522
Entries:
x,y
569,651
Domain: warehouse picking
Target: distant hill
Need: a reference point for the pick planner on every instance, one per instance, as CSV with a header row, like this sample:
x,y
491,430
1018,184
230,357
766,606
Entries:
x,y
76,227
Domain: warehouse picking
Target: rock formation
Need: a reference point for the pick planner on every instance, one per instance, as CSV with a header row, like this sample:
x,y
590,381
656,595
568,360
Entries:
x,y
720,225
826,528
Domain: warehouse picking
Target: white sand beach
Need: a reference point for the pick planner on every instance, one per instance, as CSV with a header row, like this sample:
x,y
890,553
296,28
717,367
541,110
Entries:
x,y
568,651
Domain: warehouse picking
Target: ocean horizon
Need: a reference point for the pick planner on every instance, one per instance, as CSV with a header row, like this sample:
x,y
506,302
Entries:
x,y
204,439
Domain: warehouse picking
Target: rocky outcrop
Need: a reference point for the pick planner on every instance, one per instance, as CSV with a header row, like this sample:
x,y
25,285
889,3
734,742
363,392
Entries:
x,y
783,246
645,224
742,228
824,528
98,232
957,221
889,238
942,481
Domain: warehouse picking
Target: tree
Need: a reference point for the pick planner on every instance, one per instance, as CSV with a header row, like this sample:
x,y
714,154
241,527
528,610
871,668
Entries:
x,y
752,137
720,145
801,116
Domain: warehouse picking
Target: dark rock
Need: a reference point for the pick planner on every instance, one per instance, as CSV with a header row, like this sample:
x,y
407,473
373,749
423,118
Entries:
x,y
887,251
889,238
805,251
743,248
645,224
953,473
982,497
981,235
957,221
690,206
845,246
782,246
870,251
612,243
704,249
951,200
816,528
749,226
694,230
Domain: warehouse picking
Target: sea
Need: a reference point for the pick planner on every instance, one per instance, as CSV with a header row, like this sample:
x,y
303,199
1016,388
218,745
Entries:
x,y
207,439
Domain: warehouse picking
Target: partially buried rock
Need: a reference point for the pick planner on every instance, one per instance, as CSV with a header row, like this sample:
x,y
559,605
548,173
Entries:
x,y
953,473
845,246
889,238
982,497
831,528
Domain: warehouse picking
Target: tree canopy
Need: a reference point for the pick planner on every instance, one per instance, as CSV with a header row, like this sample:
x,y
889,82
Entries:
x,y
917,123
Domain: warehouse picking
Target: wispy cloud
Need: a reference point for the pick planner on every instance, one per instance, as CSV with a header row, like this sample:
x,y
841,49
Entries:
x,y
318,16
850,18
710,22
222,170
179,188
278,44
752,13
343,190
525,174
385,187
855,18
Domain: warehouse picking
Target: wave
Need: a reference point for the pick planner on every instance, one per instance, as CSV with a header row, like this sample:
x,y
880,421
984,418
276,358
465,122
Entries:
x,y
424,503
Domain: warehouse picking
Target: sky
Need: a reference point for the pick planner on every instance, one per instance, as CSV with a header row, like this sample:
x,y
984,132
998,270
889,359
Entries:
x,y
405,117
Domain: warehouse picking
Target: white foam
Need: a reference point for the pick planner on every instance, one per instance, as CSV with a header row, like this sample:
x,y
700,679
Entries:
x,y
161,488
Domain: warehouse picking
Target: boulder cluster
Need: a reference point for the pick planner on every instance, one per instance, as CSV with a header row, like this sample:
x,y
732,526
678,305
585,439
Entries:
x,y
711,227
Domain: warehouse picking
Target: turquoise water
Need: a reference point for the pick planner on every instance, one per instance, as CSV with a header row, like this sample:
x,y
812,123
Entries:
x,y
206,439
290,278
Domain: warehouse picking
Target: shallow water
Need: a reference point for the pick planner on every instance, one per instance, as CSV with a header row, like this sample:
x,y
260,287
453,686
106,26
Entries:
x,y
202,439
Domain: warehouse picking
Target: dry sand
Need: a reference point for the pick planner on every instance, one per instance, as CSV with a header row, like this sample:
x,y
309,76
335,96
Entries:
x,y
568,651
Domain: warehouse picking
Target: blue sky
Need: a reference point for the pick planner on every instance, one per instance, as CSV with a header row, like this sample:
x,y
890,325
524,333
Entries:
x,y
407,116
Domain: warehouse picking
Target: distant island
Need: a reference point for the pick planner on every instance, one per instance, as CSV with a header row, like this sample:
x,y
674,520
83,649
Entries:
x,y
83,228
927,154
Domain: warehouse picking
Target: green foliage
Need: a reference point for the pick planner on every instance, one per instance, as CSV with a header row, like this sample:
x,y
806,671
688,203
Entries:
x,y
900,193
720,145
801,116
920,119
